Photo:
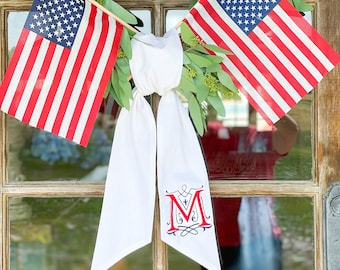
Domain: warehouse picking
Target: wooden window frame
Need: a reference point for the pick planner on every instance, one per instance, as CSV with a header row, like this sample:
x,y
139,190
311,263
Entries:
x,y
325,139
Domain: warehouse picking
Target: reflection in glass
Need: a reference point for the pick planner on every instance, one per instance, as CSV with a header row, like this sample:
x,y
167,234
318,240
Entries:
x,y
242,146
178,261
59,234
38,155
43,156
173,17
295,218
256,233
15,23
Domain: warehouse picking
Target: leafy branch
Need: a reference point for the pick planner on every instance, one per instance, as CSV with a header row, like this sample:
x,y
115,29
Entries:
x,y
203,80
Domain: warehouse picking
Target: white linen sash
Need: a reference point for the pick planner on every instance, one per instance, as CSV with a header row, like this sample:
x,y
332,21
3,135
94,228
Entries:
x,y
126,221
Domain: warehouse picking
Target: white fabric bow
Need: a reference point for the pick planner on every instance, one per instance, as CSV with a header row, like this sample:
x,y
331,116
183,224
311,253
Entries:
x,y
126,221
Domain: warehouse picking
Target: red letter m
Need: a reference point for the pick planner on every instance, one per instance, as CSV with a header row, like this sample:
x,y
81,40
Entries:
x,y
186,213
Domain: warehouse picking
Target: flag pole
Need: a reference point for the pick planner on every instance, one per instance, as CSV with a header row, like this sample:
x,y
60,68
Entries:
x,y
108,12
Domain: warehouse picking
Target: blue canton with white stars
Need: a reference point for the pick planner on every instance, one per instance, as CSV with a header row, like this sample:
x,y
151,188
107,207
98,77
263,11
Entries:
x,y
56,20
247,14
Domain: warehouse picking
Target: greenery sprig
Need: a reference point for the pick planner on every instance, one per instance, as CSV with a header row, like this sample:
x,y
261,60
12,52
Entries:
x,y
203,80
119,85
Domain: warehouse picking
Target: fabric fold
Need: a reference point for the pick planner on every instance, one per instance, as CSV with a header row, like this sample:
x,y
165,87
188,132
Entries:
x,y
128,207
187,222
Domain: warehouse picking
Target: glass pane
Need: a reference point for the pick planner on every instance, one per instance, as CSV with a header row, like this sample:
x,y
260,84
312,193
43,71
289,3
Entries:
x,y
38,155
59,234
242,146
173,17
178,261
145,16
265,233
15,22
49,233
297,165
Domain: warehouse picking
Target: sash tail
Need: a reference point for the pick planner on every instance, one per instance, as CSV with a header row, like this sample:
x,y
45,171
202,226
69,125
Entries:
x,y
187,222
126,220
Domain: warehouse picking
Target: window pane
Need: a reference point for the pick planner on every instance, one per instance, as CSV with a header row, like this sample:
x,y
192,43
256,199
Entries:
x,y
59,234
38,155
145,16
295,218
297,165
49,233
178,261
242,146
15,22
173,17
265,232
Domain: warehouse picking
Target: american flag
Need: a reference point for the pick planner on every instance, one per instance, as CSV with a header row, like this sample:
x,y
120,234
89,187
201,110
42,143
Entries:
x,y
278,57
60,68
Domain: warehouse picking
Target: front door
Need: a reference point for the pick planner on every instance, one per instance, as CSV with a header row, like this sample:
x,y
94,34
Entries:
x,y
51,190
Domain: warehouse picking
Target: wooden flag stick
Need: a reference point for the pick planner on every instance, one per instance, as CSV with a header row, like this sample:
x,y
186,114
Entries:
x,y
108,12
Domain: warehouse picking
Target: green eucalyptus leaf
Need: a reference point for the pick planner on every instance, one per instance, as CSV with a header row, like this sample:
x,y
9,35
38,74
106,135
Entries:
x,y
122,77
226,80
120,12
227,93
100,2
123,97
186,59
214,58
200,48
126,93
199,71
193,2
120,90
187,83
202,93
300,5
124,87
187,35
122,64
114,87
214,68
115,97
195,111
216,102
202,89
114,77
217,49
182,92
125,43
198,59
131,32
